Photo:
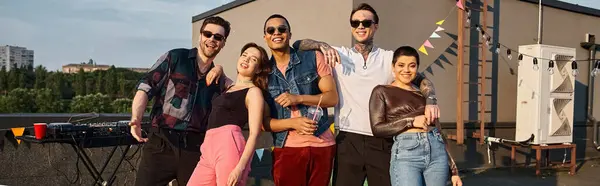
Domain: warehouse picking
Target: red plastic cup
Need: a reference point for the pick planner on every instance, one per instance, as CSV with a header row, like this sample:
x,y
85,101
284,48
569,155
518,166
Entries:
x,y
40,130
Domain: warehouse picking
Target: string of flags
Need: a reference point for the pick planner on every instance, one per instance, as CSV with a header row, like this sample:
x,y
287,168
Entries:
x,y
497,49
434,35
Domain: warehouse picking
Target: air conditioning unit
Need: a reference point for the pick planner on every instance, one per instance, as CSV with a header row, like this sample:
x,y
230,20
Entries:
x,y
545,99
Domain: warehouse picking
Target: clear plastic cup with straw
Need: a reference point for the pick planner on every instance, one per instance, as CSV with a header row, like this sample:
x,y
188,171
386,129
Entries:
x,y
315,112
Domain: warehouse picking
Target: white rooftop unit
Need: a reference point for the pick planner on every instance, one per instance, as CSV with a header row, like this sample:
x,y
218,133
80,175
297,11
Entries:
x,y
544,100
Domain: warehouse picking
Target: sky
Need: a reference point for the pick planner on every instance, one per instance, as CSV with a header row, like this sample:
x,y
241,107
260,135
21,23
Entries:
x,y
125,33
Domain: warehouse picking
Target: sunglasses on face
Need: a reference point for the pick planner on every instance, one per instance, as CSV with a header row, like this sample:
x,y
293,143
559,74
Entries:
x,y
271,30
365,23
209,34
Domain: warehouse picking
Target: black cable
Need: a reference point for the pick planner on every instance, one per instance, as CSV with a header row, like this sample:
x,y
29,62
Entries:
x,y
484,32
77,171
61,172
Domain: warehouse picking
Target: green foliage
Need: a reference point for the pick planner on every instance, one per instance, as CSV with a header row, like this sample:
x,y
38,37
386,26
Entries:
x,y
98,103
122,105
19,100
3,80
29,90
47,101
40,77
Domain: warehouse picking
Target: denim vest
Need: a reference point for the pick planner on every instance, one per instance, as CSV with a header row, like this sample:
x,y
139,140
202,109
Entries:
x,y
301,78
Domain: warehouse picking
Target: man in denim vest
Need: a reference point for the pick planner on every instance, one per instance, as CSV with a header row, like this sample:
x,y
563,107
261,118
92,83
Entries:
x,y
304,149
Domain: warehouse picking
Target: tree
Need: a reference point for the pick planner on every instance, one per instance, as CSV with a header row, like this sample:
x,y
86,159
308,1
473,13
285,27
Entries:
x,y
90,85
80,86
40,77
100,82
19,100
47,101
3,104
3,80
29,76
111,82
22,79
98,103
13,78
122,105
122,82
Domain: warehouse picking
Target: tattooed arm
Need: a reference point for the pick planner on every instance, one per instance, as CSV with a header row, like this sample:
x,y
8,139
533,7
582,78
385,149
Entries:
x,y
432,111
331,55
309,44
426,87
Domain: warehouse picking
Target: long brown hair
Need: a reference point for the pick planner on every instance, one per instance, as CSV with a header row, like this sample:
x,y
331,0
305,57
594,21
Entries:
x,y
260,78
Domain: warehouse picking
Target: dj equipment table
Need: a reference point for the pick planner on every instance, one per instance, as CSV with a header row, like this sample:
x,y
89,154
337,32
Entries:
x,y
81,142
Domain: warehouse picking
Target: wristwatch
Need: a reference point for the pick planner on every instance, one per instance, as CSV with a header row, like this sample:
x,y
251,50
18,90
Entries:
x,y
431,100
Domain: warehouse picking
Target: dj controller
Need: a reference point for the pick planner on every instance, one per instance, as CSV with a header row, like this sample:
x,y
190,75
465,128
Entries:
x,y
80,130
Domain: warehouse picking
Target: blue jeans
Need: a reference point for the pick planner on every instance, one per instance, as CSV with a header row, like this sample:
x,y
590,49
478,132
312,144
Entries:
x,y
419,159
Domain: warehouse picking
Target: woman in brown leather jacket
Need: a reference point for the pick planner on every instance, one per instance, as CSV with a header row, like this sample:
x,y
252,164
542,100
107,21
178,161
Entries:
x,y
419,154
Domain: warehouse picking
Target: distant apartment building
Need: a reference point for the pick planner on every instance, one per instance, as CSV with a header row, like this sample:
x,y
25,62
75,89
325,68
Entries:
x,y
11,56
74,68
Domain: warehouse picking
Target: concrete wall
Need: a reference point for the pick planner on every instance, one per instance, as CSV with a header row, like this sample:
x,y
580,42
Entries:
x,y
518,26
329,22
515,24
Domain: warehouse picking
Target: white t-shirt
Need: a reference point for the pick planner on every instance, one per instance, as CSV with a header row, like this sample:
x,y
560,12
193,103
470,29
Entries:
x,y
354,84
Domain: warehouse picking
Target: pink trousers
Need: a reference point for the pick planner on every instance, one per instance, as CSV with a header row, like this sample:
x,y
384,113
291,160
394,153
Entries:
x,y
221,152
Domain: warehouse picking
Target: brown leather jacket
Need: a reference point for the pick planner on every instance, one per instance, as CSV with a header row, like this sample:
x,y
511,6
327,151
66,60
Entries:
x,y
392,111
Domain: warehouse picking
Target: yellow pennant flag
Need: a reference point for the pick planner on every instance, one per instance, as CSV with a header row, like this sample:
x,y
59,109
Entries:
x,y
332,128
18,132
422,49
440,22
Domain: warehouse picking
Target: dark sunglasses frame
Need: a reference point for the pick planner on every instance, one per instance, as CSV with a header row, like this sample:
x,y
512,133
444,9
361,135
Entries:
x,y
209,34
271,30
365,23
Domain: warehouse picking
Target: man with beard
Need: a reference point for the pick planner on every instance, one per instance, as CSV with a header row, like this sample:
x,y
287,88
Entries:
x,y
182,82
304,149
360,155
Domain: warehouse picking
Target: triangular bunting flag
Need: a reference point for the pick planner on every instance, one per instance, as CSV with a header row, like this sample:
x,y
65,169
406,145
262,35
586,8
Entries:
x,y
259,153
422,49
450,51
428,69
440,22
455,37
332,128
18,132
460,4
427,44
444,59
439,63
434,35
439,28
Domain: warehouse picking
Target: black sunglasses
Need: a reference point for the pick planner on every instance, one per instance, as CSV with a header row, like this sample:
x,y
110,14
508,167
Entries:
x,y
209,34
271,30
365,23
